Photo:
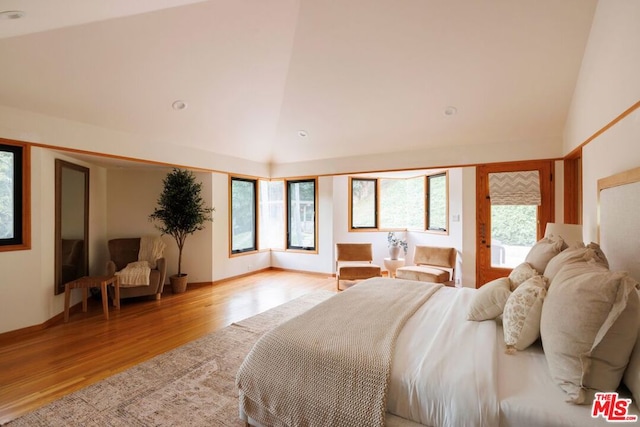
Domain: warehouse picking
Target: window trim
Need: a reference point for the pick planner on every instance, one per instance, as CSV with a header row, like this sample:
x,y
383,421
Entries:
x,y
377,207
428,201
424,229
256,207
22,187
301,249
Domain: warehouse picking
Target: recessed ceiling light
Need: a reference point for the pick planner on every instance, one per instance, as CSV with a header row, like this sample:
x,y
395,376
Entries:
x,y
303,133
450,111
12,14
179,105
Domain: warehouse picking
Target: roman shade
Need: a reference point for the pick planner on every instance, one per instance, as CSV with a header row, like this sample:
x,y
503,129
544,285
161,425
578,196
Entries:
x,y
515,188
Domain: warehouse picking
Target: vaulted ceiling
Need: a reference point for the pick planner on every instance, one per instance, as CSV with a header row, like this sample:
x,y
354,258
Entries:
x,y
355,75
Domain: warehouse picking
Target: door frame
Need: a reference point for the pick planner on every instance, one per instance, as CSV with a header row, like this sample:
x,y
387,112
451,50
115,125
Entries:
x,y
546,211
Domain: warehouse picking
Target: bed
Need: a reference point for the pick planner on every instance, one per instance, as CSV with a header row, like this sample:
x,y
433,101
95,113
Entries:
x,y
444,369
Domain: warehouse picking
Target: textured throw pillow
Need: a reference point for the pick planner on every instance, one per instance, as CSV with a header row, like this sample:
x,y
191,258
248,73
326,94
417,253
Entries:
x,y
588,327
542,252
577,253
522,273
489,300
521,316
602,259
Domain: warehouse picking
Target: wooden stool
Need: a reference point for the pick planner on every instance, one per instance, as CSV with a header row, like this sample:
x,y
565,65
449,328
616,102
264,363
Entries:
x,y
87,282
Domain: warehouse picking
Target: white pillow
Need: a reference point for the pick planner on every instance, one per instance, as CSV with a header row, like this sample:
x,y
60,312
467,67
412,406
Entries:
x,y
542,252
577,253
589,326
489,300
521,316
522,273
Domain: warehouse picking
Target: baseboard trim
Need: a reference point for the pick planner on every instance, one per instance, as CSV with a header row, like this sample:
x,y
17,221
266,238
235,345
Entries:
x,y
7,337
58,318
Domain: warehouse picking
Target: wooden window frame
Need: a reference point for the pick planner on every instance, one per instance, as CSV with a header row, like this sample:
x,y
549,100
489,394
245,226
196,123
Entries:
x,y
375,213
427,187
288,246
254,182
22,196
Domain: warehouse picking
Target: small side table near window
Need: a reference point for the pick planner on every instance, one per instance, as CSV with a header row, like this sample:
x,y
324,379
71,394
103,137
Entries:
x,y
392,265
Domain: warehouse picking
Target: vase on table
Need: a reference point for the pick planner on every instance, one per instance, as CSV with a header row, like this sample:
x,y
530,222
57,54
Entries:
x,y
394,252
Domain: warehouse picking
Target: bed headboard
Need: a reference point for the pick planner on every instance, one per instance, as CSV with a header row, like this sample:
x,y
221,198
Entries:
x,y
619,221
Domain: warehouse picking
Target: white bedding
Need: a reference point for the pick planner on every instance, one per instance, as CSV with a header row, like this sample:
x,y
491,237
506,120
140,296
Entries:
x,y
529,397
444,373
450,372
456,373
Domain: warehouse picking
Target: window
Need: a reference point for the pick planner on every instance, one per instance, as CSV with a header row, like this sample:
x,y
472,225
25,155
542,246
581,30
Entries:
x,y
243,215
437,203
301,214
14,197
402,203
399,203
364,194
271,215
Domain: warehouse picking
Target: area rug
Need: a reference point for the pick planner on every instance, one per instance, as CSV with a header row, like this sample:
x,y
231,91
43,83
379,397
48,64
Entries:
x,y
193,385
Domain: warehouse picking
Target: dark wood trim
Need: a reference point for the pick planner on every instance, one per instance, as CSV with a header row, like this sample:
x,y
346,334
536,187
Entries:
x,y
59,166
546,212
573,190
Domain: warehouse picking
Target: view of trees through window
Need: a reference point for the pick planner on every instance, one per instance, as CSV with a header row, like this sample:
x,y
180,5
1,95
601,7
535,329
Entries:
x,y
243,215
301,225
271,215
513,233
363,208
6,195
437,201
399,203
402,203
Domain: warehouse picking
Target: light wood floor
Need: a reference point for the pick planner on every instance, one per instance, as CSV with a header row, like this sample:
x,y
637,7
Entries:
x,y
42,366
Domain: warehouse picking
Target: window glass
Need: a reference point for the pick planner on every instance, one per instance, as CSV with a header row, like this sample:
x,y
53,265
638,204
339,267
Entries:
x,y
402,203
513,233
437,202
301,218
7,160
271,215
363,203
243,215
12,205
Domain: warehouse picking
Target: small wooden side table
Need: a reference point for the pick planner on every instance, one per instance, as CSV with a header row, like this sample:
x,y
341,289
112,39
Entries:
x,y
392,265
87,282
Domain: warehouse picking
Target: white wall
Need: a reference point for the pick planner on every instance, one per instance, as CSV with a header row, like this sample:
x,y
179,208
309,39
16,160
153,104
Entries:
x,y
37,128
223,265
323,261
431,157
27,279
132,195
608,84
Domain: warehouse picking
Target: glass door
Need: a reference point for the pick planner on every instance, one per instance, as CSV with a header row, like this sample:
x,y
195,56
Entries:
x,y
514,203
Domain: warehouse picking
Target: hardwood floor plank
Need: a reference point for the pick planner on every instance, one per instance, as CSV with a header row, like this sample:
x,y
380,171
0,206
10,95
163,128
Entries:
x,y
43,365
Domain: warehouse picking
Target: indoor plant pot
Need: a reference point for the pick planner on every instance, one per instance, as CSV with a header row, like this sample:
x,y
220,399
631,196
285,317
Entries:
x,y
178,283
180,212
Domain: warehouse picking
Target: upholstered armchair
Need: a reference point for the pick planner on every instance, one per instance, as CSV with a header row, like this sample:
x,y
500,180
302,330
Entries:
x,y
125,251
432,264
354,262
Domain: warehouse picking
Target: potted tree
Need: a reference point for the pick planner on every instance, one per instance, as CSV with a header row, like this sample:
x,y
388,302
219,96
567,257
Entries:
x,y
180,212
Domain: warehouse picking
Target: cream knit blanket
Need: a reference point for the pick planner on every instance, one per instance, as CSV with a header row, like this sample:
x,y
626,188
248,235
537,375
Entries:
x,y
331,364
